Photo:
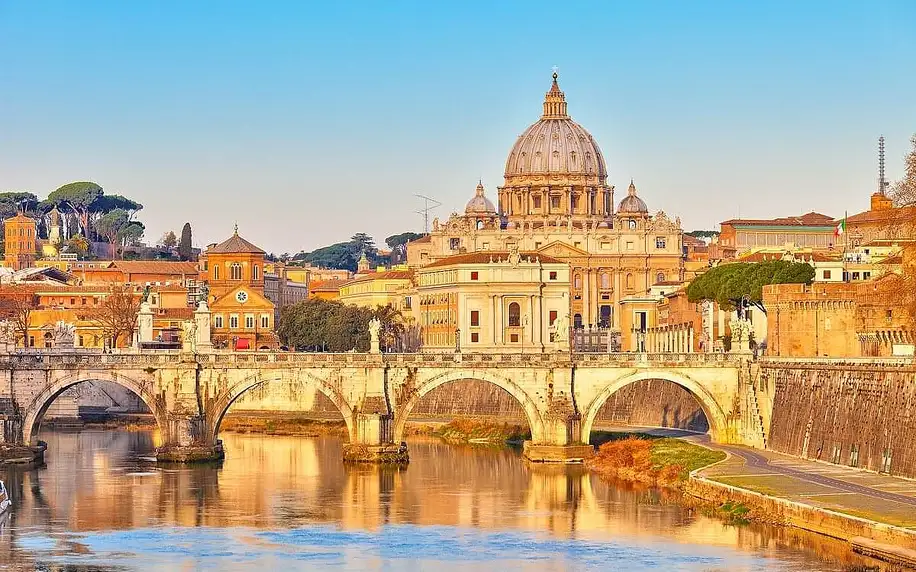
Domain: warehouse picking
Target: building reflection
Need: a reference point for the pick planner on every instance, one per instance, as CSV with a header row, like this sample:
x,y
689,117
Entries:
x,y
98,480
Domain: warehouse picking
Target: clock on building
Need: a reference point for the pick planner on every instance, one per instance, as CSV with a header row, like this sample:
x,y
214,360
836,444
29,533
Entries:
x,y
241,296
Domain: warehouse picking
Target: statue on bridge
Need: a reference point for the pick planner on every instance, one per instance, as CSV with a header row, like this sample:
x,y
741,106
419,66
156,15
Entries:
x,y
63,334
375,326
189,339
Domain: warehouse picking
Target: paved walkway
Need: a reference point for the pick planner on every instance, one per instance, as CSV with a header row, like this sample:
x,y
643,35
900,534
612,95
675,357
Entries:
x,y
882,498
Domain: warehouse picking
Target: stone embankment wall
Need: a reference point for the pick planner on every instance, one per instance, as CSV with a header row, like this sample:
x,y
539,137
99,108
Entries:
x,y
854,414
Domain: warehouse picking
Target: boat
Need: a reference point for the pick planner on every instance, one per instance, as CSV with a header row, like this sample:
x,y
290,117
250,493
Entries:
x,y
5,502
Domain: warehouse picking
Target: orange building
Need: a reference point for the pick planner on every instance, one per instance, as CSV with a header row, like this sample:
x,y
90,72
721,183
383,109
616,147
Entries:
x,y
242,316
20,242
326,289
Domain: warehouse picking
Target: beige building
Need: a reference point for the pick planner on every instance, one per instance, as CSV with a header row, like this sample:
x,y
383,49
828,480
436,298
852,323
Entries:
x,y
384,288
556,201
493,301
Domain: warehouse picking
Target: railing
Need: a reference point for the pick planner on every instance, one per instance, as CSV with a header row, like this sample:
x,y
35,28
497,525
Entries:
x,y
64,358
840,361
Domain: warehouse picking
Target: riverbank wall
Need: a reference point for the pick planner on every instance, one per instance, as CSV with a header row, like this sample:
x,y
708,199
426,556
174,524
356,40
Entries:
x,y
885,542
857,414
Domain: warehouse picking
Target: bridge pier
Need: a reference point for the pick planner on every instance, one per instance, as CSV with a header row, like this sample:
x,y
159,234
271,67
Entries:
x,y
561,442
189,439
372,441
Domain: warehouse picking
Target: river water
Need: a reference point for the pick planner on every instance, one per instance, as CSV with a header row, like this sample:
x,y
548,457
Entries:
x,y
288,503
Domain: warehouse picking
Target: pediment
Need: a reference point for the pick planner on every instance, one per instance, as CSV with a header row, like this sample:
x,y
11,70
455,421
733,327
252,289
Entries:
x,y
559,249
255,300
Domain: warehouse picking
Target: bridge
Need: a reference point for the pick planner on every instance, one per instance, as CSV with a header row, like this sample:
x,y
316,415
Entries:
x,y
560,393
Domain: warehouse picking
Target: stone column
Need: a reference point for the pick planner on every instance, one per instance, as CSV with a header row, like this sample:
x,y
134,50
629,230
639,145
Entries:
x,y
500,330
537,322
586,302
145,323
202,318
188,439
494,325
528,332
373,442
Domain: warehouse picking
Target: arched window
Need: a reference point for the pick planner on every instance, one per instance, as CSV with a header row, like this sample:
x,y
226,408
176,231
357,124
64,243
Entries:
x,y
660,277
235,271
255,272
216,272
605,280
515,314
480,225
632,223
630,282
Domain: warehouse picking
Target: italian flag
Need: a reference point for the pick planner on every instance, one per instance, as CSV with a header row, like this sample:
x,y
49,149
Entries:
x,y
840,228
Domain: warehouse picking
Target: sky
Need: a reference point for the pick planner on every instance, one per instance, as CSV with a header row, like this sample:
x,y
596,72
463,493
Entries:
x,y
307,122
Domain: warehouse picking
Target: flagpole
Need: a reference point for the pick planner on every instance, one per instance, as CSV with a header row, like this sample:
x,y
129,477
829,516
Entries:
x,y
845,246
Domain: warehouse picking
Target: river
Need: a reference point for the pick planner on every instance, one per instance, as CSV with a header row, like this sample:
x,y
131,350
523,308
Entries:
x,y
287,503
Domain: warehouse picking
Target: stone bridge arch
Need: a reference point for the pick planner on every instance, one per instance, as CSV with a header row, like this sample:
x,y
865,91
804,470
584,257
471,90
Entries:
x,y
35,410
715,415
226,398
532,414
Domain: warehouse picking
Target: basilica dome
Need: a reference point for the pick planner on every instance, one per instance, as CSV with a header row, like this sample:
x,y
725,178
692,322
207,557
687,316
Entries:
x,y
480,204
631,203
556,146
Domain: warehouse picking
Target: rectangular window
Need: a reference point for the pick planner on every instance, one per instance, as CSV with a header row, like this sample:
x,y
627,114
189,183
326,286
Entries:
x,y
233,321
577,244
826,275
605,246
513,338
630,245
475,275
454,243
537,202
554,202
475,317
855,275
475,337
486,246
553,275
866,275
265,321
659,242
553,317
249,322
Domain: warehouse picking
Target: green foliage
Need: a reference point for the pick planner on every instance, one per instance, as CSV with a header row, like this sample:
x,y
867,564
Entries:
x,y
169,240
703,233
78,244
184,245
398,245
322,325
728,284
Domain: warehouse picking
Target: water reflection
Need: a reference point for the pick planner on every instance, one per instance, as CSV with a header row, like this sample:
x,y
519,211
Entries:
x,y
99,481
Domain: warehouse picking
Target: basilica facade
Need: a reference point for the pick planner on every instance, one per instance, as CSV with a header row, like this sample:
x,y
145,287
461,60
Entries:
x,y
555,200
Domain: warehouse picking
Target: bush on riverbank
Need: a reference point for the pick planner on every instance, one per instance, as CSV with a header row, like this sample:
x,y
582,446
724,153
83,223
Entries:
x,y
663,462
470,430
283,426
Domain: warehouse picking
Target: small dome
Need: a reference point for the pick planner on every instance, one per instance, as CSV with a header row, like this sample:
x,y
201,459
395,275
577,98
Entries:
x,y
631,203
480,204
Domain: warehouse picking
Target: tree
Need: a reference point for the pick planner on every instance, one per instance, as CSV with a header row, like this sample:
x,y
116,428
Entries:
x,y
78,244
344,255
703,233
13,202
903,192
332,326
111,225
131,233
169,240
76,198
734,285
16,305
398,245
184,246
116,316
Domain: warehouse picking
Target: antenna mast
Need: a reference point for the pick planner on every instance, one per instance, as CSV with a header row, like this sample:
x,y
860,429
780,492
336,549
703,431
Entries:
x,y
429,204
882,182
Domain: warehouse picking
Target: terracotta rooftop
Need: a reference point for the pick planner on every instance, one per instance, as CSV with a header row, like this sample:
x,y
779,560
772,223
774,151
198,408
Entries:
x,y
668,283
235,244
808,219
903,214
155,267
385,275
487,256
426,238
327,285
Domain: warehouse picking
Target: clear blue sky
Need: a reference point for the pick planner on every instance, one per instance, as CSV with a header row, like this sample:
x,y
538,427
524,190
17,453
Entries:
x,y
307,122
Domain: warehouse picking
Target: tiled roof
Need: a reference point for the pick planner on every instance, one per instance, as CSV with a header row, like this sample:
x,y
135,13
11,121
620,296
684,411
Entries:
x,y
486,256
808,219
235,244
386,275
155,267
327,285
427,238
903,214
